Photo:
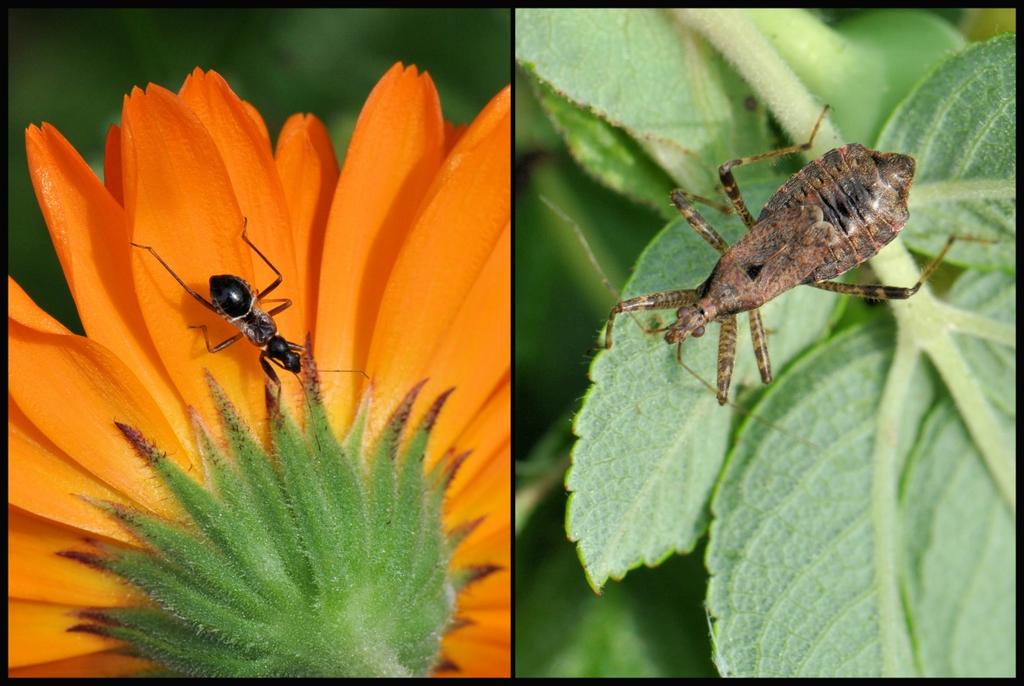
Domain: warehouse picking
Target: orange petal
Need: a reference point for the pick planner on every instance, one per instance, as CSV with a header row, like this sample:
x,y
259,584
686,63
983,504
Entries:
x,y
73,390
105,664
489,431
40,634
243,144
88,231
476,352
44,481
36,572
392,159
463,217
477,652
482,485
490,498
309,173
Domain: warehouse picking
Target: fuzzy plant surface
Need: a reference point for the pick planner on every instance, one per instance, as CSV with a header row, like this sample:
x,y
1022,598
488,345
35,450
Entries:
x,y
318,558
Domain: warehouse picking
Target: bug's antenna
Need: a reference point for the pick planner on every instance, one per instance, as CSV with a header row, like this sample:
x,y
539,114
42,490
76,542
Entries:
x,y
604,278
583,242
581,237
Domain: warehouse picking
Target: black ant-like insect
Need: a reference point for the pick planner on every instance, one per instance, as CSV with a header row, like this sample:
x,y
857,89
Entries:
x,y
232,298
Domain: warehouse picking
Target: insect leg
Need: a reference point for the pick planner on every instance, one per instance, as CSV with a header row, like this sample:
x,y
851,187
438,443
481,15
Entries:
x,y
662,300
279,279
207,304
220,346
285,304
764,365
726,357
293,346
871,291
879,292
699,224
272,378
720,206
729,182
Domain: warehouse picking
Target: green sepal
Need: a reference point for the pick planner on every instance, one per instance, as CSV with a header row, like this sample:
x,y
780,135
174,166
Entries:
x,y
317,558
264,486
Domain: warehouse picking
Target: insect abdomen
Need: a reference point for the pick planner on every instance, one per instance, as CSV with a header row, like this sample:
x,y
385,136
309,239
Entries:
x,y
862,194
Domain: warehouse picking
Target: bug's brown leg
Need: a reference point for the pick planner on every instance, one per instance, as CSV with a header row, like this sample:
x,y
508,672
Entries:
x,y
726,357
879,292
662,300
701,226
871,291
729,182
699,223
720,206
736,198
764,365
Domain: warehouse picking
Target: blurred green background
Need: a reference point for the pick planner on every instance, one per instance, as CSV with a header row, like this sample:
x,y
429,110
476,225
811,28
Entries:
x,y
562,628
561,303
71,68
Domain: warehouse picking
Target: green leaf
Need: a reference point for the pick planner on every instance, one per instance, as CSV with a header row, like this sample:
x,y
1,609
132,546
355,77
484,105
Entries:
x,y
960,565
652,437
660,83
993,297
610,153
795,538
960,125
799,539
822,590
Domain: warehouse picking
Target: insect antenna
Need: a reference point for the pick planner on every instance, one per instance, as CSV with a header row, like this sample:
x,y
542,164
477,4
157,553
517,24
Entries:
x,y
582,239
585,244
604,279
312,379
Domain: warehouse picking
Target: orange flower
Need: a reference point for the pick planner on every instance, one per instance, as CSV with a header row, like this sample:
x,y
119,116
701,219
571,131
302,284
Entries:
x,y
400,268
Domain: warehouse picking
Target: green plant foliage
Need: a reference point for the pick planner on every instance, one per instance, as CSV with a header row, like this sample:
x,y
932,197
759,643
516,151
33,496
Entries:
x,y
958,124
311,561
609,152
645,405
665,87
832,524
793,589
